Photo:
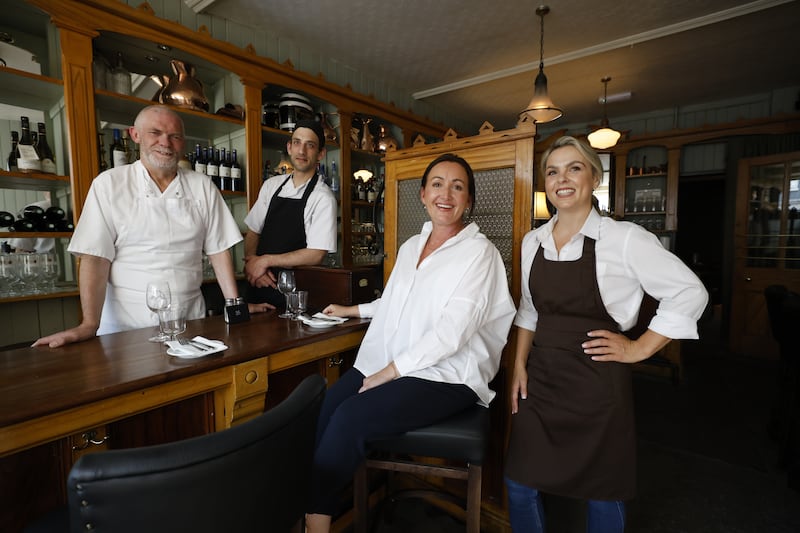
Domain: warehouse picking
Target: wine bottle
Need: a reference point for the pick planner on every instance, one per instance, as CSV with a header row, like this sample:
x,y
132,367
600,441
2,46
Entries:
x,y
334,178
199,159
45,152
27,158
362,191
224,171
101,152
126,144
118,155
212,166
120,77
236,173
11,164
371,192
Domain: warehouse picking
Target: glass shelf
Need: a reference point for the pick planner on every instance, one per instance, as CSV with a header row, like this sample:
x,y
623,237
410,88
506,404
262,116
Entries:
x,y
32,181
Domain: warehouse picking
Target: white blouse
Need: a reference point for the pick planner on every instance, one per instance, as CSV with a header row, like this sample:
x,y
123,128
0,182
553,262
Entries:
x,y
629,260
445,320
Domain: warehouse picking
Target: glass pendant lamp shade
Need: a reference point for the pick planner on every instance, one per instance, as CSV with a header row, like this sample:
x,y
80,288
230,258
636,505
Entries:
x,y
604,137
541,109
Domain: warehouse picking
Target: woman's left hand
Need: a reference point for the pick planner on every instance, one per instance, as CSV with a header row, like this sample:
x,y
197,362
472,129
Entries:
x,y
379,378
609,346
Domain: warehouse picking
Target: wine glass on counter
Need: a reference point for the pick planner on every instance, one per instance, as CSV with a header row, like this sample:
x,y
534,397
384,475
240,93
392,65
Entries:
x,y
158,299
286,285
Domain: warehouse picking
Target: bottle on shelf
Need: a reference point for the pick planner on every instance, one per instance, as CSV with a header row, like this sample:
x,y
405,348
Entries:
x,y
120,77
118,155
45,152
199,159
322,174
101,152
267,172
126,143
362,190
27,158
236,173
212,165
11,162
224,171
371,191
334,178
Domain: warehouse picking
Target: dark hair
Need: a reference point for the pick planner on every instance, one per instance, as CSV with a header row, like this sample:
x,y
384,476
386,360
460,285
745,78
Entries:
x,y
316,127
453,158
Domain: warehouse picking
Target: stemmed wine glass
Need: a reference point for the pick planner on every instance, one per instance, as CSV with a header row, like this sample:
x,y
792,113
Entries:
x,y
158,299
286,285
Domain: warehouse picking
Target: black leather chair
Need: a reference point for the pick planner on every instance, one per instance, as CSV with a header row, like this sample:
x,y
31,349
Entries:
x,y
463,438
251,477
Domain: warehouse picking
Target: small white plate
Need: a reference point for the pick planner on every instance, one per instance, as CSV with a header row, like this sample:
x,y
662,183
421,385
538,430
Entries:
x,y
184,355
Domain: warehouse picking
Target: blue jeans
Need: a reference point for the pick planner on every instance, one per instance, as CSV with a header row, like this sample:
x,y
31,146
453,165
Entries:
x,y
527,514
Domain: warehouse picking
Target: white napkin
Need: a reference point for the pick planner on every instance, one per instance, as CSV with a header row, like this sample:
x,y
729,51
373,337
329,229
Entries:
x,y
323,316
320,320
189,351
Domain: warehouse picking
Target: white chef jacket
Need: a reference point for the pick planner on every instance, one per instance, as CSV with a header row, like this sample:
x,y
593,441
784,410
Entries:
x,y
319,216
150,235
629,260
445,320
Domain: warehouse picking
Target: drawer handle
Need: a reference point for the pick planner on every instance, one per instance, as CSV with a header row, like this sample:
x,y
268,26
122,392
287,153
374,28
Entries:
x,y
90,439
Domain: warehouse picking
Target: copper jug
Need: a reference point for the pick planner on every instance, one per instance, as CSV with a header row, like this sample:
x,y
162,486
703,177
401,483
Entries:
x,y
367,140
183,89
330,133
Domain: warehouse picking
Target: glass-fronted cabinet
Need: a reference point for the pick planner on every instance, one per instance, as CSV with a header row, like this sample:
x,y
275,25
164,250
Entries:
x,y
35,187
646,191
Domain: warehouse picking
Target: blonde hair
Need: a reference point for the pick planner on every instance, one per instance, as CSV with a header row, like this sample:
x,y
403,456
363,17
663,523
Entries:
x,y
585,150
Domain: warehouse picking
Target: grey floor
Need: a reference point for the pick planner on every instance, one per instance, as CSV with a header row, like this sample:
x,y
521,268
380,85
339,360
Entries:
x,y
705,465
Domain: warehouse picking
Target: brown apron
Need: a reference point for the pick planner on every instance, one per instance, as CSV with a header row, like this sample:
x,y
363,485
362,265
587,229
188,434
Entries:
x,y
574,436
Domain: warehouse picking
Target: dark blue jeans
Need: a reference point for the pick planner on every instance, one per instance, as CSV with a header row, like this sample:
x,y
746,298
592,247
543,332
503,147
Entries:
x,y
348,419
527,515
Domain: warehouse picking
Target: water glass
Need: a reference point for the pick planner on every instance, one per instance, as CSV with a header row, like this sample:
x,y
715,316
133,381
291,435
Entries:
x,y
29,272
50,271
173,320
298,303
158,297
10,284
286,285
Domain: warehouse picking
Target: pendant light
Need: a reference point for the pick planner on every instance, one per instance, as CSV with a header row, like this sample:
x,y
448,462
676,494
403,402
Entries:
x,y
604,137
541,109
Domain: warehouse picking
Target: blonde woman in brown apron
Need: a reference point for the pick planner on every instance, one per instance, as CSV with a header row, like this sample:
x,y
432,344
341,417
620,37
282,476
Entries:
x,y
584,276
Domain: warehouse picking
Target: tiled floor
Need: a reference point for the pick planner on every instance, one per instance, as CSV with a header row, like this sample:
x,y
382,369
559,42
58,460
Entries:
x,y
706,464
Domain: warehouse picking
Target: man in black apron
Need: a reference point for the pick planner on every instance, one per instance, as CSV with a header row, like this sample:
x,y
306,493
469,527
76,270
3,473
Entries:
x,y
282,241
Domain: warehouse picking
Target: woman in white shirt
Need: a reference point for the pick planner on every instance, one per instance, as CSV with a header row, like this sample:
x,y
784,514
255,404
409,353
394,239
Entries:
x,y
434,343
584,276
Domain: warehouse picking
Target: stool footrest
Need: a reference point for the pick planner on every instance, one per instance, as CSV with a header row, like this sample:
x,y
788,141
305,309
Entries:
x,y
450,472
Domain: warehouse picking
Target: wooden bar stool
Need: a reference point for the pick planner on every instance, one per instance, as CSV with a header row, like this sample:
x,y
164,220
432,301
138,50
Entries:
x,y
463,438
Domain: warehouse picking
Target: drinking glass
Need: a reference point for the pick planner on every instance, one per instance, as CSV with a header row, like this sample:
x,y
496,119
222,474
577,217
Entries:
x,y
158,299
9,275
29,272
299,303
172,320
50,271
286,285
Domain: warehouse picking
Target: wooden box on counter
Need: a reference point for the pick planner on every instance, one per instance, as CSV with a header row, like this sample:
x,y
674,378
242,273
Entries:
x,y
345,286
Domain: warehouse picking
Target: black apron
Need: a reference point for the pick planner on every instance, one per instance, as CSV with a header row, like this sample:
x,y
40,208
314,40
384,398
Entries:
x,y
283,231
574,436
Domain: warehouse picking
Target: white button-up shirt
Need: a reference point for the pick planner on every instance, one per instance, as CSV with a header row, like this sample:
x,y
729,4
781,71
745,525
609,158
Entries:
x,y
629,260
445,320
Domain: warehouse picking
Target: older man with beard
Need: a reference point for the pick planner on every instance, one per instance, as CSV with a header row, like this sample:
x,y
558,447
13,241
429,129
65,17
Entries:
x,y
144,221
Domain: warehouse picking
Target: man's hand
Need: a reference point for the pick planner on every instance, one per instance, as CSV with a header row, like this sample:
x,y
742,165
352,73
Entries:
x,y
259,308
257,271
79,333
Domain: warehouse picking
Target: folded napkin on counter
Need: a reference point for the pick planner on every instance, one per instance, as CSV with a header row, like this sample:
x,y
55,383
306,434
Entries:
x,y
320,320
323,316
198,347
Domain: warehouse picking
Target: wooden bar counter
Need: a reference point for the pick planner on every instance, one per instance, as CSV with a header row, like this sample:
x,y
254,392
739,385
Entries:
x,y
61,399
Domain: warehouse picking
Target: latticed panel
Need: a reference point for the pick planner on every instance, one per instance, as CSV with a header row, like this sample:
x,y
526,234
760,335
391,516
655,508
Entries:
x,y
493,210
